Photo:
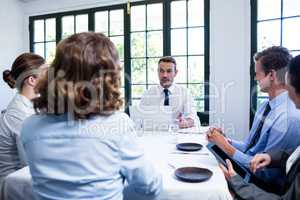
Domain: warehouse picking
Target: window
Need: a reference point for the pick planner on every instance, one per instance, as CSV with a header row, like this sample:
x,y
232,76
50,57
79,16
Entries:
x,y
142,33
275,22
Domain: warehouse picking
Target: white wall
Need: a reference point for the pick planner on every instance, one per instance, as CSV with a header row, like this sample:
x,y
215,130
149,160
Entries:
x,y
230,65
229,56
11,42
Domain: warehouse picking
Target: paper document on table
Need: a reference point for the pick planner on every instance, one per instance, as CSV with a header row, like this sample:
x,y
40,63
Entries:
x,y
199,130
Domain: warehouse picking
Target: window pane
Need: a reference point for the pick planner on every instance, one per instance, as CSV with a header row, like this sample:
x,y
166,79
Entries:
x,y
116,22
196,40
138,45
152,70
39,49
138,20
268,34
268,9
122,74
199,105
50,51
178,14
197,90
196,13
50,29
138,90
154,16
178,42
82,23
291,33
67,26
119,43
136,102
291,8
138,71
155,44
38,30
181,76
101,22
196,69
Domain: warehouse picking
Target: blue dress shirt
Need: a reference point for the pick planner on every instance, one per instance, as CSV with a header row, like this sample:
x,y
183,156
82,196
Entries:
x,y
281,131
86,160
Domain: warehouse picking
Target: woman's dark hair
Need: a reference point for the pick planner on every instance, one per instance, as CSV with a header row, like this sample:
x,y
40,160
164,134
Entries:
x,y
23,64
83,80
294,73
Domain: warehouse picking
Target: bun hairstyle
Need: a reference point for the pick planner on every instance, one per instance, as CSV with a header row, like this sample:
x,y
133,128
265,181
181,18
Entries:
x,y
22,64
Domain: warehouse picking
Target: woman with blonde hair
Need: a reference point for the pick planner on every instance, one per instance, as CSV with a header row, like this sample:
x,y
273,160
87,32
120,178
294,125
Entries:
x,y
23,76
80,146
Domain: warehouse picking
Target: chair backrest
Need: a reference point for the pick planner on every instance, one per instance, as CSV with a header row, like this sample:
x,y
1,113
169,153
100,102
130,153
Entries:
x,y
204,118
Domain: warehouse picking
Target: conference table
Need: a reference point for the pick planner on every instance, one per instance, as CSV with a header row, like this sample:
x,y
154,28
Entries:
x,y
160,150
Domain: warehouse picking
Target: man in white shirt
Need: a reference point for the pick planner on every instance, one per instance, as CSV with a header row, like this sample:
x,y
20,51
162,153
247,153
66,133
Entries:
x,y
170,94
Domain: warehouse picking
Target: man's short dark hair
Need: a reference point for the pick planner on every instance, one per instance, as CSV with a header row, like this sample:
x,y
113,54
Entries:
x,y
168,59
294,73
274,58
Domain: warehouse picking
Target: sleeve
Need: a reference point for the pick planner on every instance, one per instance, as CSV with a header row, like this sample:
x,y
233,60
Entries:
x,y
242,158
139,173
279,158
248,191
238,145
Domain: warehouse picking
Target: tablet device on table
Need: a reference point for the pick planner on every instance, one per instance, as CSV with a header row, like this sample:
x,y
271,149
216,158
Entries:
x,y
221,156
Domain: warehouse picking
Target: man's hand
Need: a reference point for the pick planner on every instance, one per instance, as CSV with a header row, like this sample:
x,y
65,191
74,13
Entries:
x,y
215,136
184,123
229,171
259,161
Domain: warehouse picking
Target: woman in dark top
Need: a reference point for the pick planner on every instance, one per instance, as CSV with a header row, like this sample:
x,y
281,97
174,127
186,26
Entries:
x,y
289,161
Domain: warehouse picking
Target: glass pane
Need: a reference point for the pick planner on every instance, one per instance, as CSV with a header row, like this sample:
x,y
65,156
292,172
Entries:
x,y
116,22
50,29
181,76
196,13
122,74
197,90
155,44
178,42
268,9
39,49
199,105
122,90
119,43
101,22
138,90
50,51
67,26
196,40
152,70
154,16
291,8
178,14
82,23
38,30
138,71
138,48
138,20
268,34
196,69
135,102
291,33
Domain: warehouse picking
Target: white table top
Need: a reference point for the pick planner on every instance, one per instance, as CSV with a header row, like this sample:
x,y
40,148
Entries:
x,y
160,149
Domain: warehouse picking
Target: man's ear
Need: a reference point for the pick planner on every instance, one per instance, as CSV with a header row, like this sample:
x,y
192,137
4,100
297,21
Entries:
x,y
273,74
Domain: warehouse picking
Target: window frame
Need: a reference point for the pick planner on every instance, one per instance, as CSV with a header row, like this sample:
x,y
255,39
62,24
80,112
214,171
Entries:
x,y
166,6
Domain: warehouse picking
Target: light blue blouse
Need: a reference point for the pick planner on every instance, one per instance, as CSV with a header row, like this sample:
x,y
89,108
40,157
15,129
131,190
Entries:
x,y
86,160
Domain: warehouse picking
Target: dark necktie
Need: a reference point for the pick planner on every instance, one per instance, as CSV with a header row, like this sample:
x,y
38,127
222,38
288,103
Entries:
x,y
259,128
166,102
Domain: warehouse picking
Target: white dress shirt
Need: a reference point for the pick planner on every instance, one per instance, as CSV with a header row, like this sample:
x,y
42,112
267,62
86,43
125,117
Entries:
x,y
11,150
180,99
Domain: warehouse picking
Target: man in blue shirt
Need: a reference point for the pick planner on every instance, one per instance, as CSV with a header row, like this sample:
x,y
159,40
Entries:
x,y
277,121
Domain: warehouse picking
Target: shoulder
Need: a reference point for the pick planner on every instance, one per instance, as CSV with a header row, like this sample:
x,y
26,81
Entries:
x,y
152,90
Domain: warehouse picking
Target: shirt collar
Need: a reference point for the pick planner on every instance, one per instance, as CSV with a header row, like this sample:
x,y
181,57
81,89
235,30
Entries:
x,y
171,88
27,102
278,100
